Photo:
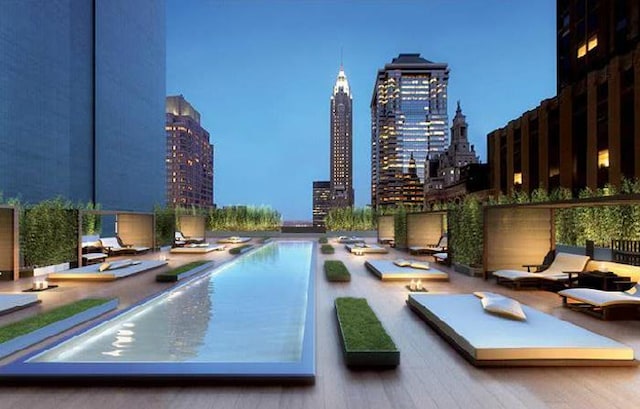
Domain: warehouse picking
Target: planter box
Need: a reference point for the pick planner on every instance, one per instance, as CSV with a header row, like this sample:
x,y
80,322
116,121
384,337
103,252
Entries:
x,y
26,340
41,271
236,251
468,270
369,359
170,278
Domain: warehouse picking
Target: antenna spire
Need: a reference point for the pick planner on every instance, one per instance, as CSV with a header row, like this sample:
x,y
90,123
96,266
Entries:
x,y
341,57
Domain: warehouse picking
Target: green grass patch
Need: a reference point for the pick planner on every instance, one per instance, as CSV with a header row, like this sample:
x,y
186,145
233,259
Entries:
x,y
240,249
185,268
323,240
327,249
361,328
27,325
336,271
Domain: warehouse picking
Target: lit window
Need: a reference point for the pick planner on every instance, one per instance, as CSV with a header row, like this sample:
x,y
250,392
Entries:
x,y
603,158
593,43
582,50
517,178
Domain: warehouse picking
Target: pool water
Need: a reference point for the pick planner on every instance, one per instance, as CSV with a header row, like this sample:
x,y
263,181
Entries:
x,y
252,317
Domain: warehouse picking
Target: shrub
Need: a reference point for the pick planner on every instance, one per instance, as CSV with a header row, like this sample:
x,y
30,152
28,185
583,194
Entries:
x,y
361,328
240,249
327,249
349,219
323,240
244,218
336,271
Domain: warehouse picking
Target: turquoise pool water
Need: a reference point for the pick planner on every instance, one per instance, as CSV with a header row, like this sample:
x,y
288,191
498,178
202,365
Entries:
x,y
251,310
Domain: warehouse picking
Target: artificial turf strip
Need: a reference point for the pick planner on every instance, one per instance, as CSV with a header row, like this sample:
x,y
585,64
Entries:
x,y
238,250
361,328
336,271
185,268
27,325
327,249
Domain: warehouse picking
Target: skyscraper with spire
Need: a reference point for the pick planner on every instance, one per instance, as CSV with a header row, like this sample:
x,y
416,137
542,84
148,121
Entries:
x,y
341,157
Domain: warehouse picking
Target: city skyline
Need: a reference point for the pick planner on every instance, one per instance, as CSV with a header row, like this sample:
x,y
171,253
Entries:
x,y
262,91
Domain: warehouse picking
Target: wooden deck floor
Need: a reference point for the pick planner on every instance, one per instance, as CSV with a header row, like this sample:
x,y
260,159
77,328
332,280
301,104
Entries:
x,y
431,373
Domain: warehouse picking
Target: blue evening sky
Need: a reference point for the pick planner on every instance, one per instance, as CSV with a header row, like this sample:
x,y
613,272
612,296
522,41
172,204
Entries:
x,y
261,74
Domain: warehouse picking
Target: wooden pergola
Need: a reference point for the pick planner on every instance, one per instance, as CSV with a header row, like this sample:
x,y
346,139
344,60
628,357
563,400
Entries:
x,y
520,234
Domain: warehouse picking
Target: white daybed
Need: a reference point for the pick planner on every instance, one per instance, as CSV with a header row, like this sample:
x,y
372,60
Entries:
x,y
486,339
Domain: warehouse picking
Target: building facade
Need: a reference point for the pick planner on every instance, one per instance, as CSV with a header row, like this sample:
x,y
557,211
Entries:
x,y
408,125
83,86
321,202
189,156
445,169
341,134
588,135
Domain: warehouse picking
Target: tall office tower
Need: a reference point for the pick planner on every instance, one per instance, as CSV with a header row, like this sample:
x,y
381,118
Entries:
x,y
82,88
341,177
408,122
321,202
589,134
189,156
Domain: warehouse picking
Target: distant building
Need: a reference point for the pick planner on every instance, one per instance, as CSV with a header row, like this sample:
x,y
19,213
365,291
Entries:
x,y
341,177
445,170
83,87
589,134
189,156
321,202
408,125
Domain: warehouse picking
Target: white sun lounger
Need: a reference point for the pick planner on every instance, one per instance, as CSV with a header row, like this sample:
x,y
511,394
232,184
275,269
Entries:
x,y
604,304
557,272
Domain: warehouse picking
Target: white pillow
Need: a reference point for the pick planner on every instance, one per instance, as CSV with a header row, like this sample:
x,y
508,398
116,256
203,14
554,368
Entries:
x,y
504,307
420,265
401,262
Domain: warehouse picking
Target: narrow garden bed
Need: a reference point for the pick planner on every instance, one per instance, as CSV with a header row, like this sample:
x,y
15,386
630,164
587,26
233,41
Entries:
x,y
30,331
327,249
183,271
365,343
336,271
241,249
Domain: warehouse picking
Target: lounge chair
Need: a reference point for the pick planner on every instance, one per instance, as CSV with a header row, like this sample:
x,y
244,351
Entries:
x,y
441,247
360,249
350,240
195,248
180,239
115,247
553,275
395,270
487,339
607,305
234,240
92,250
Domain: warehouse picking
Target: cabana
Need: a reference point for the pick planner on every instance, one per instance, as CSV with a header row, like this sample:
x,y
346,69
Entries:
x,y
136,229
192,227
425,231
520,236
9,243
386,229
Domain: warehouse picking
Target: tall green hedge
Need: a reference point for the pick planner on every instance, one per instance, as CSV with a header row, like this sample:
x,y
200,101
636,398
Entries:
x,y
244,218
165,225
349,218
465,226
49,233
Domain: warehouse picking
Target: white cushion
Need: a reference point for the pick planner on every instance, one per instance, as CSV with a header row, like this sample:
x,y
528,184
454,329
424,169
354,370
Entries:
x,y
422,265
504,307
566,262
110,242
402,262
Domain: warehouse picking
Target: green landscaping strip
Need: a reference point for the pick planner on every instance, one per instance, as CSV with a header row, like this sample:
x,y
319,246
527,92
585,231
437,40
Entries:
x,y
335,270
323,240
185,268
361,328
327,249
238,250
27,325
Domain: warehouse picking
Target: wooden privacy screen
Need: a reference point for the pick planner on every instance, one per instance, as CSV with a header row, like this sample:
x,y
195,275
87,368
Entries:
x,y
137,229
192,226
9,243
424,229
386,229
516,236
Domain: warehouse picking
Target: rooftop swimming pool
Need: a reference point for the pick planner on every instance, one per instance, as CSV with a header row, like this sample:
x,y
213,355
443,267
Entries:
x,y
253,317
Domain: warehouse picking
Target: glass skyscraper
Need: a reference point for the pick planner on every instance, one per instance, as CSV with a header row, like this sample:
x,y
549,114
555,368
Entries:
x,y
408,126
82,88
341,177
